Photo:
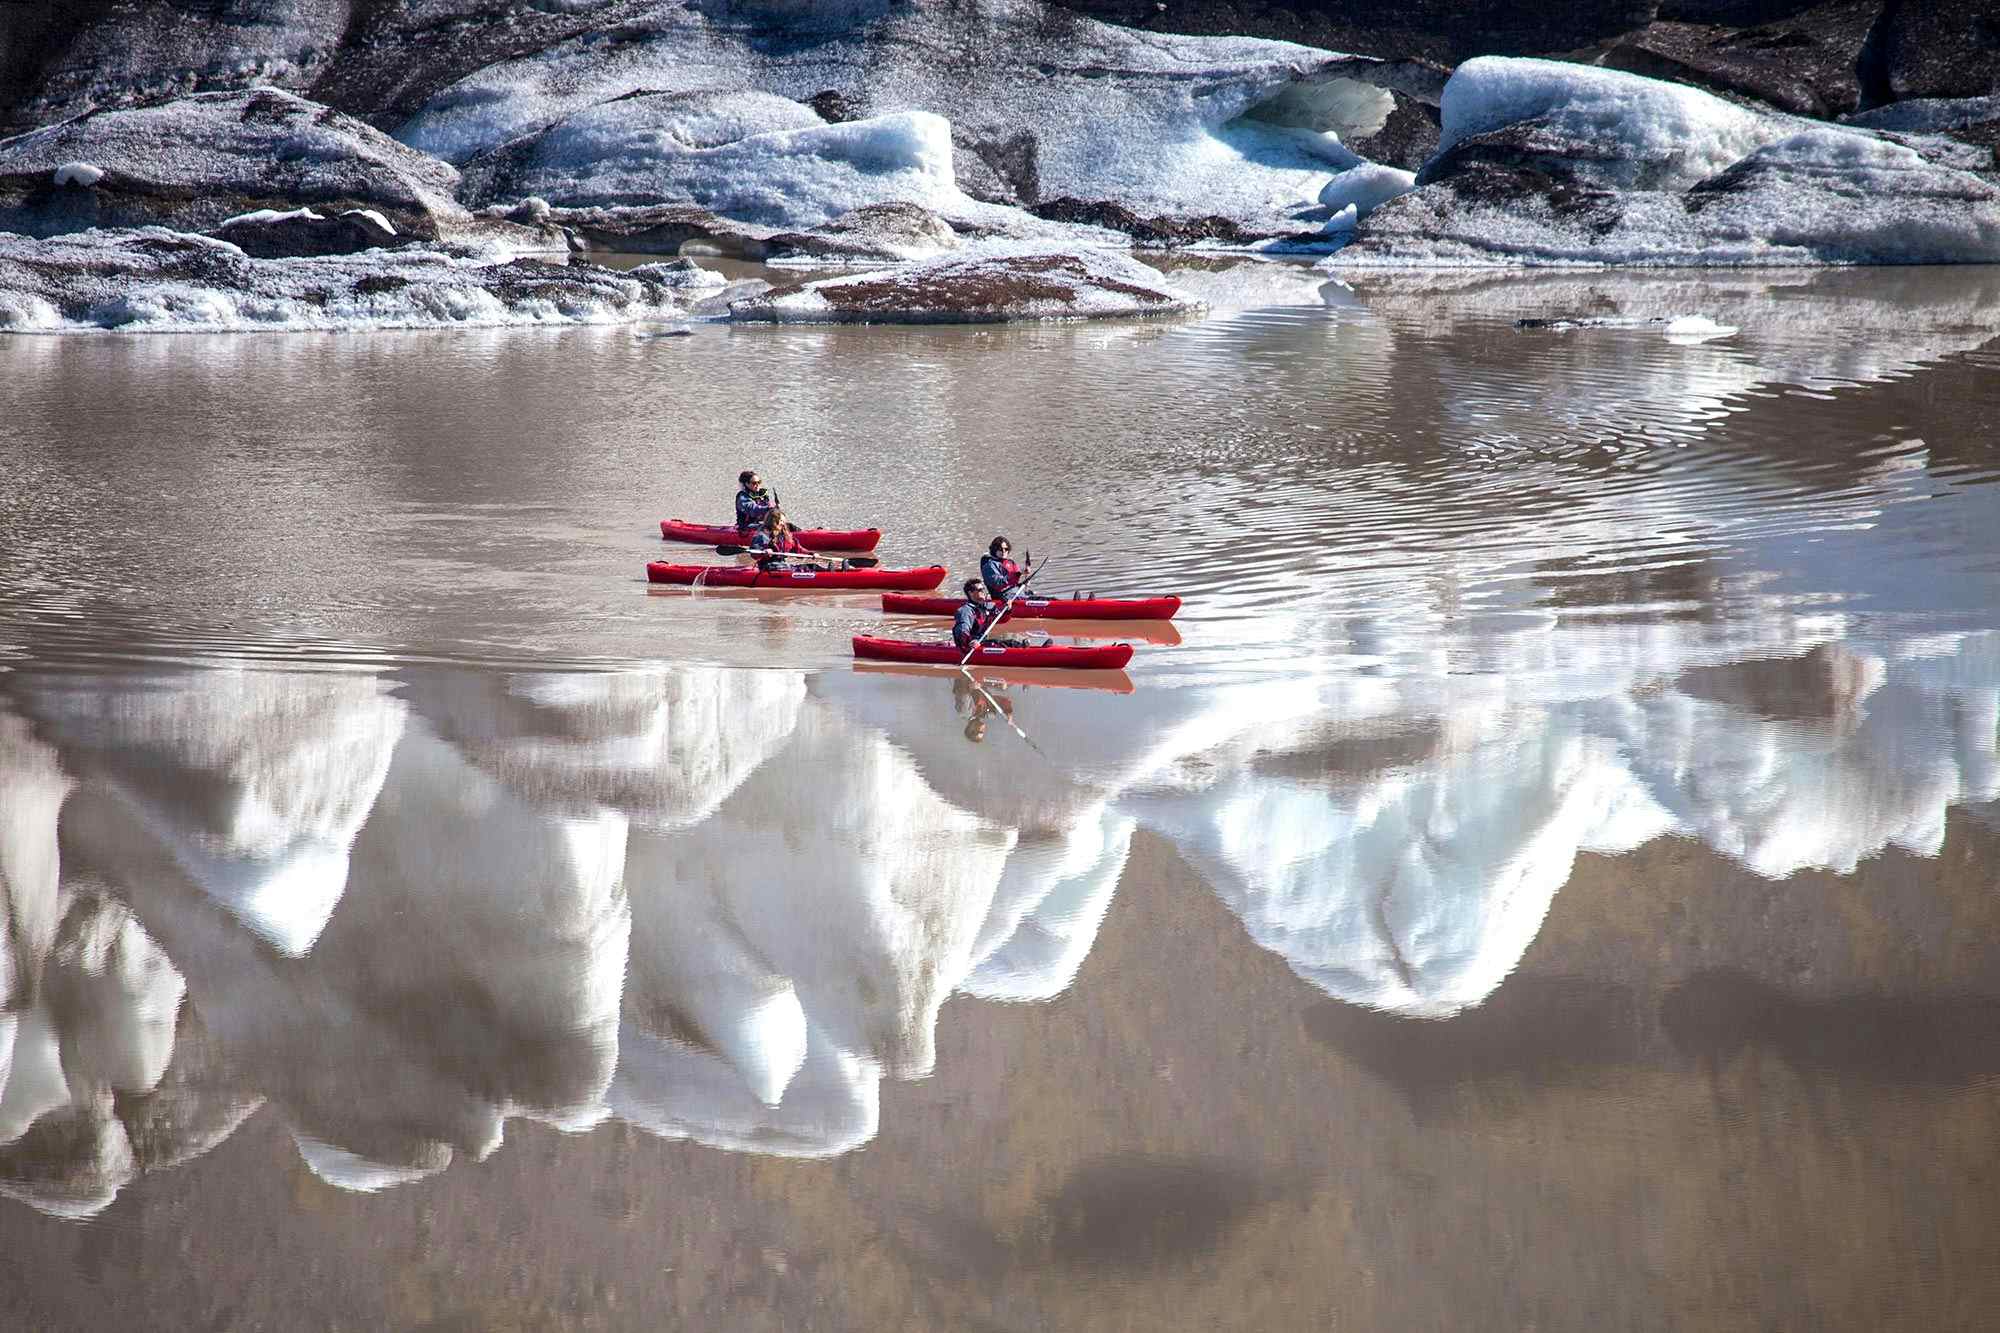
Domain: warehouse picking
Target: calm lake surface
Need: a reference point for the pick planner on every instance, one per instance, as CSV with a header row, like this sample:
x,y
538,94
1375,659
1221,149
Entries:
x,y
1548,876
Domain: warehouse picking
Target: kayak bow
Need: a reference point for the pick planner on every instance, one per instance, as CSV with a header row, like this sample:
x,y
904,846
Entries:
x,y
749,576
813,539
1097,657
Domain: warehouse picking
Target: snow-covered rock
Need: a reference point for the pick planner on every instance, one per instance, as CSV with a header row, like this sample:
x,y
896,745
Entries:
x,y
1084,285
195,161
150,280
1543,162
1049,105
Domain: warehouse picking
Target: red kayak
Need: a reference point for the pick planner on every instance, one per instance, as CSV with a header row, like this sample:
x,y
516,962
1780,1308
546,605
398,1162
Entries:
x,y
1045,608
749,576
813,539
1100,657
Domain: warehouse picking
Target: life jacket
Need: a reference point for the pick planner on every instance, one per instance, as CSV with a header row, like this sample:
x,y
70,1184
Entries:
x,y
1000,575
971,620
785,543
752,508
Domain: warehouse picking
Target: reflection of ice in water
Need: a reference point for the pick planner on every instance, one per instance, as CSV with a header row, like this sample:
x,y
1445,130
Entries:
x,y
1419,888
665,746
257,781
505,945
842,869
1046,911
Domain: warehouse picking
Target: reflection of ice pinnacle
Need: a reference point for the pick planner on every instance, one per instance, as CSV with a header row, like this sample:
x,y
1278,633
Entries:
x,y
256,782
88,1050
350,1171
1419,890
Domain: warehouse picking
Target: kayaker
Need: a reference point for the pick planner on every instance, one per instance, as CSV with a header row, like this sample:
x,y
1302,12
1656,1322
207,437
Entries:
x,y
753,502
974,614
774,541
997,567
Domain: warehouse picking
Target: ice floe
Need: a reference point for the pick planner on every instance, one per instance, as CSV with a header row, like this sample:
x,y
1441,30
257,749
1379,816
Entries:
x,y
150,280
1548,162
986,290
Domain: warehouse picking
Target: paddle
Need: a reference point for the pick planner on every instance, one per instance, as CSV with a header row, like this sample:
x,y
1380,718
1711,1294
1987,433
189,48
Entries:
x,y
1005,716
853,561
1001,614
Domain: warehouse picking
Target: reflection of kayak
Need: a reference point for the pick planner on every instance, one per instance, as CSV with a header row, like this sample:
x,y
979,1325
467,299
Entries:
x,y
1098,657
813,539
1111,682
749,576
1134,632
1047,608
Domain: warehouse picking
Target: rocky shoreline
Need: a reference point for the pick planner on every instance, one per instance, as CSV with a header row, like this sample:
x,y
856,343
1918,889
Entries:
x,y
456,137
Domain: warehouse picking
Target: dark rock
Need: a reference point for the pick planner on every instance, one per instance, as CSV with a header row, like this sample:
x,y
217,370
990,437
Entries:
x,y
303,232
1932,48
1407,139
1154,231
834,106
1806,63
662,230
138,52
1524,162
196,161
1739,13
1974,121
376,59
997,169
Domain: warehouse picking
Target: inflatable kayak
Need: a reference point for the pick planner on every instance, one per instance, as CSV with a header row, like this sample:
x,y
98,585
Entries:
x,y
813,539
749,576
1098,657
1046,608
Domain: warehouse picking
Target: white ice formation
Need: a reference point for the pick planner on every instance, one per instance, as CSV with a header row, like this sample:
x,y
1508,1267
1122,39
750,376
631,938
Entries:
x,y
1550,162
1054,106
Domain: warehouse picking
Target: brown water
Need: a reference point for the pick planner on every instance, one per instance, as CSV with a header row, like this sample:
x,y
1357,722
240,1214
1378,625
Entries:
x,y
1546,880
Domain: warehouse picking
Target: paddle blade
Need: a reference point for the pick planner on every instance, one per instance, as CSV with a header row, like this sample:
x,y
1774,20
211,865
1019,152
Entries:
x,y
731,550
